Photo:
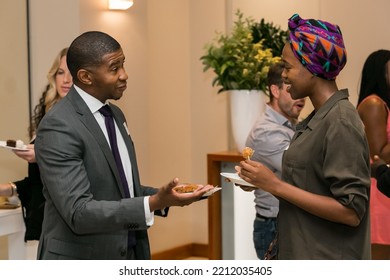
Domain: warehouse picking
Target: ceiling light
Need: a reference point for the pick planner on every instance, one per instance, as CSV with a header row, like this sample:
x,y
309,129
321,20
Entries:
x,y
119,4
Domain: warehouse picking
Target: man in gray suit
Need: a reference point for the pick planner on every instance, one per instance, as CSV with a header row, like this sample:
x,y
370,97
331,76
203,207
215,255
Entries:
x,y
88,214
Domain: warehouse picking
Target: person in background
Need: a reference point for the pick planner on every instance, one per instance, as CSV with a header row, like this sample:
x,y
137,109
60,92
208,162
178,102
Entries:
x,y
373,107
96,207
324,191
269,138
381,172
29,190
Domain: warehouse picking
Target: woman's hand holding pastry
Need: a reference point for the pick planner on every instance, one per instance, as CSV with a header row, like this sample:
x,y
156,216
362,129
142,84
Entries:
x,y
257,174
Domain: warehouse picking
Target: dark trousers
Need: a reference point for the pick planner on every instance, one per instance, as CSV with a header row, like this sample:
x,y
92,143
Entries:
x,y
264,231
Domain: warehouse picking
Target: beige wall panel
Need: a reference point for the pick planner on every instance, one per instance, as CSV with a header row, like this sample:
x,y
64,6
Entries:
x,y
14,110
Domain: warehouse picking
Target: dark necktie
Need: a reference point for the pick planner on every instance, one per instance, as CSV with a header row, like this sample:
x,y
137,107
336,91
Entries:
x,y
110,125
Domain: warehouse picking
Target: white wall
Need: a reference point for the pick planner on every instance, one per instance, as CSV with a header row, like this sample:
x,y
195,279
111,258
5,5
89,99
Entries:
x,y
53,25
14,113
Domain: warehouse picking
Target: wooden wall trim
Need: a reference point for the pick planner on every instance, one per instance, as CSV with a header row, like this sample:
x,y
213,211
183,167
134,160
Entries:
x,y
214,161
183,252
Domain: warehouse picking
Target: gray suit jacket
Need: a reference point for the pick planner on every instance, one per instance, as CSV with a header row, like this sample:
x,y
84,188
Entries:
x,y
86,214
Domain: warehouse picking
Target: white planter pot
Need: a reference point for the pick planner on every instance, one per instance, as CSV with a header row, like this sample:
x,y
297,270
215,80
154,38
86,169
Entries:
x,y
245,108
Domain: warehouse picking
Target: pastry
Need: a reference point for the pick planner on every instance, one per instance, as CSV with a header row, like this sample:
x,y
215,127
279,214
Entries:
x,y
247,152
15,144
11,143
186,188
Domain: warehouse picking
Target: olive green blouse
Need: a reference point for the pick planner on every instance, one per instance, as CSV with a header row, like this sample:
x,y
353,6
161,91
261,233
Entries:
x,y
328,156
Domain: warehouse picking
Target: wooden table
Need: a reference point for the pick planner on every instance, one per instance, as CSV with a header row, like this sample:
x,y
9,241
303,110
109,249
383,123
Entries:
x,y
214,161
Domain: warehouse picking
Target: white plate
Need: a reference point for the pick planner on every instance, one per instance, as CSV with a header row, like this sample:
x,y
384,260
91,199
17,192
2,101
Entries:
x,y
3,144
210,192
235,179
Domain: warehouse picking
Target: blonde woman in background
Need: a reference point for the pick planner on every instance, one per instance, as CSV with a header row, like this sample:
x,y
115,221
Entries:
x,y
29,189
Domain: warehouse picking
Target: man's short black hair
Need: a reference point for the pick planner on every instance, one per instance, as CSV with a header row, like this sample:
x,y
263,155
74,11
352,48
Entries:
x,y
88,49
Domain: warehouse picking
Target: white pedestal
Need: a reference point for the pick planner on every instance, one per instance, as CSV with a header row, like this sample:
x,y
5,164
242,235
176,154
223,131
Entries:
x,y
238,214
12,226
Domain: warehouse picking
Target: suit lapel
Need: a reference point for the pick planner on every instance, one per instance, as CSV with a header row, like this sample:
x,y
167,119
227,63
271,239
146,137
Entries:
x,y
90,123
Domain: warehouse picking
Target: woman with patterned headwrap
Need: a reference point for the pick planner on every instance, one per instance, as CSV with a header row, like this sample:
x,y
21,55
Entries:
x,y
324,190
373,107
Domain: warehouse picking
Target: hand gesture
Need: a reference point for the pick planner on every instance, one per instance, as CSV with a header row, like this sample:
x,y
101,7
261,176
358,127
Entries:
x,y
257,174
167,196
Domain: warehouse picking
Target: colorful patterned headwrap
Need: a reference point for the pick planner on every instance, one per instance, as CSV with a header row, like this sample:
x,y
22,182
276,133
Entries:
x,y
318,45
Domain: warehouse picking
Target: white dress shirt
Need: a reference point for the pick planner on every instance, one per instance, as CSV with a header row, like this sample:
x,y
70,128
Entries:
x,y
94,105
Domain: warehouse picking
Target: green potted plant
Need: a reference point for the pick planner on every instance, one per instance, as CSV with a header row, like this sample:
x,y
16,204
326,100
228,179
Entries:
x,y
271,36
241,59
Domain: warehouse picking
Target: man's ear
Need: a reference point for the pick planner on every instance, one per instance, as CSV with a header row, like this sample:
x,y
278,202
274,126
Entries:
x,y
85,77
274,90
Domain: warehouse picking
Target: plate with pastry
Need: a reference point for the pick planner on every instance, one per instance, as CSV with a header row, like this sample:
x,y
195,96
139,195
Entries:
x,y
190,188
9,203
9,206
13,145
235,179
